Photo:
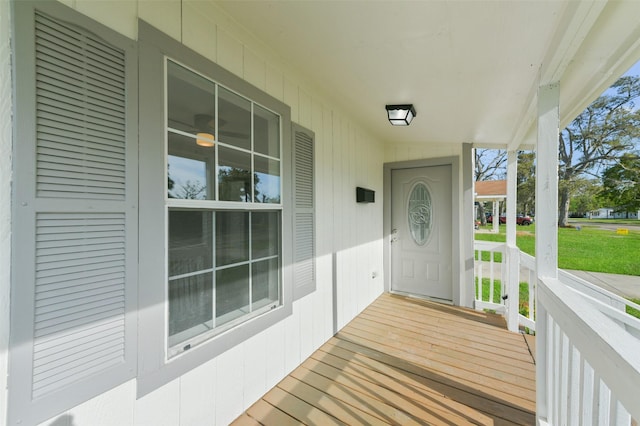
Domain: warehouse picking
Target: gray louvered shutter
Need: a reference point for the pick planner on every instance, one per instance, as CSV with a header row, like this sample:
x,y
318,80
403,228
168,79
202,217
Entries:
x,y
80,216
304,213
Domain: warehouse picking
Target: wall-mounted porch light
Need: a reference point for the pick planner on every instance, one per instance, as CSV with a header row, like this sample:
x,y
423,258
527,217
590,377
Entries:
x,y
400,115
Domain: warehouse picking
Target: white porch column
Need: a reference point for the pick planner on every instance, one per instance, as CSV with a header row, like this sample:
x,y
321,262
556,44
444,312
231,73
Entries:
x,y
6,149
467,285
513,254
546,225
547,181
496,216
512,196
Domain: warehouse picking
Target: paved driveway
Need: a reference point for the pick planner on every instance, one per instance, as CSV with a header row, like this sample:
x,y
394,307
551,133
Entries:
x,y
605,225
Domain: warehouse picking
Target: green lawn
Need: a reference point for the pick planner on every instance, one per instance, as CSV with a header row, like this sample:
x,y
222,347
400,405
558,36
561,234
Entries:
x,y
632,311
588,249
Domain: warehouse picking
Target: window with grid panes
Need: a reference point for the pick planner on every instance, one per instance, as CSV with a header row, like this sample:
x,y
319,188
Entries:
x,y
224,208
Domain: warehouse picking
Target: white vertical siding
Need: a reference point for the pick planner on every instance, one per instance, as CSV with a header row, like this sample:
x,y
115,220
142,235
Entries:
x,y
199,33
255,368
197,395
121,18
5,196
159,408
346,156
230,52
274,82
114,408
163,14
255,69
230,380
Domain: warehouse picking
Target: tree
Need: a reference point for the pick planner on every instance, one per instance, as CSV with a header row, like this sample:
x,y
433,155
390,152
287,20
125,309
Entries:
x,y
597,138
489,165
235,184
170,183
193,190
585,198
621,184
526,181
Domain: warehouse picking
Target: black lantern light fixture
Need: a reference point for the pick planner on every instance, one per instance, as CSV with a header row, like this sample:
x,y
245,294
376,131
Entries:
x,y
400,115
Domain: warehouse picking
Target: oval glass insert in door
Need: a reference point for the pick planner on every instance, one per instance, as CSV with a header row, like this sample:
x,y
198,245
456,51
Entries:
x,y
420,213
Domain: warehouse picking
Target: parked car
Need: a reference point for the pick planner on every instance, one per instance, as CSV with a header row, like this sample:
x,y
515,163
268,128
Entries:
x,y
521,219
503,219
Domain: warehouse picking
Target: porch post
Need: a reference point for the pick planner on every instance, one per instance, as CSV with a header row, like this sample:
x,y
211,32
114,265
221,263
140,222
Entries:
x,y
547,182
513,254
469,215
496,216
546,227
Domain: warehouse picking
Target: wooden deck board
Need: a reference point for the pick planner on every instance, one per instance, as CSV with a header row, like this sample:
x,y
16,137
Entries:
x,y
408,361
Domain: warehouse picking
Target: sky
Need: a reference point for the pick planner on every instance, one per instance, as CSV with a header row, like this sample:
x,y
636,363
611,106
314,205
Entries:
x,y
634,70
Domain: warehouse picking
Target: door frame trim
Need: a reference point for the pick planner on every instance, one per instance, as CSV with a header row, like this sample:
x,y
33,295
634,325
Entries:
x,y
454,162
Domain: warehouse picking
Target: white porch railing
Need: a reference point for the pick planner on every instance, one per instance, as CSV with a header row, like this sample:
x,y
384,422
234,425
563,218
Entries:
x,y
490,262
495,263
588,361
588,347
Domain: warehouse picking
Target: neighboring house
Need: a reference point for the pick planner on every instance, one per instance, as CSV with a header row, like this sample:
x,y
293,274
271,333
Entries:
x,y
610,213
601,213
494,191
626,215
178,217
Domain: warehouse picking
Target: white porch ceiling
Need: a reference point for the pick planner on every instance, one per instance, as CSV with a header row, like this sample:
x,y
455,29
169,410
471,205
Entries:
x,y
471,68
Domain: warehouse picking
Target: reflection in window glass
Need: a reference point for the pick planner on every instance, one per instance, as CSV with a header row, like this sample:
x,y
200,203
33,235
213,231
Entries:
x,y
267,180
264,283
266,132
190,169
190,306
265,234
190,241
234,175
190,254
190,100
232,237
232,293
235,119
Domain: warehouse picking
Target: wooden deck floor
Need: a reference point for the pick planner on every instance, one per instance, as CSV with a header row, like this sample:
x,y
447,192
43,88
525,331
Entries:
x,y
407,361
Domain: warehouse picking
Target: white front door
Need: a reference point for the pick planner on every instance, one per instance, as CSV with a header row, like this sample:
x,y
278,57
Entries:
x,y
421,231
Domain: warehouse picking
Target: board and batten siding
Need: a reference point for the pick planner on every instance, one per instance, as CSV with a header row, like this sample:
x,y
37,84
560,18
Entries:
x,y
348,247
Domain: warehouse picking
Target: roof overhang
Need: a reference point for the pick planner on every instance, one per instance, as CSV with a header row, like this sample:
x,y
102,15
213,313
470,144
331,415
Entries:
x,y
471,68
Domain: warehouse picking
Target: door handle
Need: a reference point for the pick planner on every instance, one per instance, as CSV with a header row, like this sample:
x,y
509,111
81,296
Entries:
x,y
394,235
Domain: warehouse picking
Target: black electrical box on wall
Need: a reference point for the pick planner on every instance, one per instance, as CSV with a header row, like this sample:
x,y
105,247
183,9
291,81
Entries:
x,y
365,195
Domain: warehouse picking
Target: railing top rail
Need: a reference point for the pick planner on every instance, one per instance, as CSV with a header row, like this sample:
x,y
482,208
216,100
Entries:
x,y
489,245
527,260
593,290
609,349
